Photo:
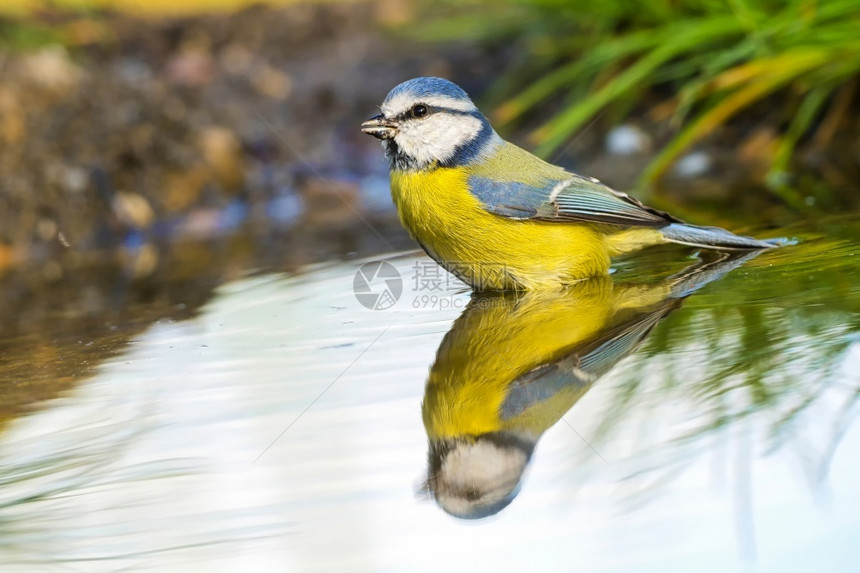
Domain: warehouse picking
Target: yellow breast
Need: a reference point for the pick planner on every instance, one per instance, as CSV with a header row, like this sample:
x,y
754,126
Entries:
x,y
490,347
489,251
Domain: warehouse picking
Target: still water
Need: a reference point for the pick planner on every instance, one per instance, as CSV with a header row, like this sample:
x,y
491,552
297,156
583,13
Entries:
x,y
688,414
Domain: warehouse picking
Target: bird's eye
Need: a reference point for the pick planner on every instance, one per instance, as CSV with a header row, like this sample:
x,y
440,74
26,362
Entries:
x,y
419,110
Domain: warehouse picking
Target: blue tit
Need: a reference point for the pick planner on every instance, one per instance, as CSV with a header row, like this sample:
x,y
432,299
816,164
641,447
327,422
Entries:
x,y
513,364
500,218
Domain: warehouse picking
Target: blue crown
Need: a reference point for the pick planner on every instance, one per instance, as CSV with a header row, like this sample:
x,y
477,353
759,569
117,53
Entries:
x,y
422,87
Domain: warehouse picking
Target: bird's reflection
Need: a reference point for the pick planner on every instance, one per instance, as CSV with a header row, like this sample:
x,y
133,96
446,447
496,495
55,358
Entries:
x,y
513,364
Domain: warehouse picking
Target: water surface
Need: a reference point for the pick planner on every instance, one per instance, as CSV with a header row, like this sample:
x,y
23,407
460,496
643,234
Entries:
x,y
671,420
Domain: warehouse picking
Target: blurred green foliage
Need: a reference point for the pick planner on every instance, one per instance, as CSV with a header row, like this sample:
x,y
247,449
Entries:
x,y
25,35
716,57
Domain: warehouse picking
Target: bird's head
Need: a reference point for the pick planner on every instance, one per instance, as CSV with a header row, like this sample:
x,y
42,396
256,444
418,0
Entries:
x,y
430,121
478,477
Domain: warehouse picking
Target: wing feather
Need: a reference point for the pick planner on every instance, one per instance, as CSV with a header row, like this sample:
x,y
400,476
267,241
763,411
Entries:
x,y
572,199
582,365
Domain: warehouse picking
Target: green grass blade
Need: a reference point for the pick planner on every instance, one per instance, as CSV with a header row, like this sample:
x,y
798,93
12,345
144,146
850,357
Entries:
x,y
751,92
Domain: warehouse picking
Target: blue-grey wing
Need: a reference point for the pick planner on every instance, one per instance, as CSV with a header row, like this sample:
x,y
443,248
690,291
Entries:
x,y
580,366
573,199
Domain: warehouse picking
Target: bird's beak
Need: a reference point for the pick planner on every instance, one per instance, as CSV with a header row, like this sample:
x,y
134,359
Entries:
x,y
379,127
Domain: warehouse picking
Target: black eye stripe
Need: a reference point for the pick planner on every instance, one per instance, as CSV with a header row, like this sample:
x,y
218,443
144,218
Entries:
x,y
436,109
454,111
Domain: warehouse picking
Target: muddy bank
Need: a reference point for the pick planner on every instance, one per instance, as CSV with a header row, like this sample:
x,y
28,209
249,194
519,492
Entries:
x,y
188,128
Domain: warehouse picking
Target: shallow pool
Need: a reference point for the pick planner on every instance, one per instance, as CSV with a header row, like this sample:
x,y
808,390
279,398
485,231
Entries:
x,y
687,414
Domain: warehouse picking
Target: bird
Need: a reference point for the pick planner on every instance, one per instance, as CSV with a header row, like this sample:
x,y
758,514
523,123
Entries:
x,y
514,363
499,217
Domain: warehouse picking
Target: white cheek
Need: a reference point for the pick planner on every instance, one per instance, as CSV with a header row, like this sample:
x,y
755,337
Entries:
x,y
437,137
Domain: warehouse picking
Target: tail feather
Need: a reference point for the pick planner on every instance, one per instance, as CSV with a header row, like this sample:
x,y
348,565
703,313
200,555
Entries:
x,y
712,237
703,273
